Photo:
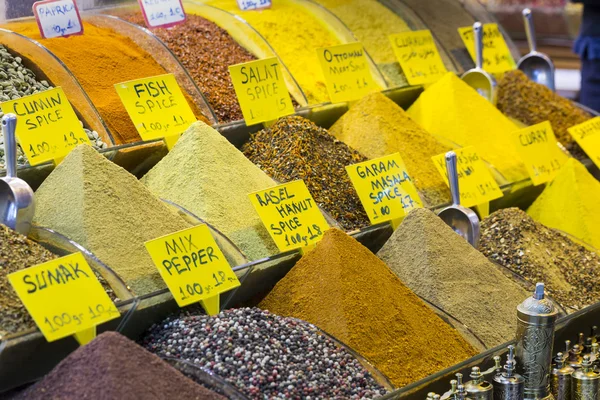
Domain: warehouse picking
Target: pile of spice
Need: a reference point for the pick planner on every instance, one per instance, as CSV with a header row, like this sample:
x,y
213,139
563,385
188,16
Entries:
x,y
294,33
454,111
17,253
209,177
444,269
376,127
295,148
391,327
196,43
371,23
531,103
113,367
570,203
265,355
99,59
109,212
18,81
570,271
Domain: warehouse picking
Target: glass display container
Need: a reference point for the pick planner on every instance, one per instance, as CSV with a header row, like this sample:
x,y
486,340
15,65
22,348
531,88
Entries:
x,y
46,66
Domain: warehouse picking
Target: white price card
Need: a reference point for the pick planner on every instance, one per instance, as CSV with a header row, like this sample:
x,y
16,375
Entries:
x,y
57,18
245,5
162,13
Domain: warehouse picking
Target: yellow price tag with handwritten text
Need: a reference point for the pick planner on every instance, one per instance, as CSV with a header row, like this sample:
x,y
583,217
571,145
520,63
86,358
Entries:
x,y
157,107
347,73
290,214
64,297
587,136
47,126
384,188
475,182
537,147
418,56
261,90
192,265
496,55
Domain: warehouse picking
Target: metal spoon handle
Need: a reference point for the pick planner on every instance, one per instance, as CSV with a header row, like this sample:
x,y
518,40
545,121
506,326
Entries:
x,y
478,37
529,29
9,125
453,177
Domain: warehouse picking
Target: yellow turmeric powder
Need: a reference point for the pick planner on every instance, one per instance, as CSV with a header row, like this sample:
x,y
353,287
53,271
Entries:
x,y
99,59
295,34
455,112
570,203
372,22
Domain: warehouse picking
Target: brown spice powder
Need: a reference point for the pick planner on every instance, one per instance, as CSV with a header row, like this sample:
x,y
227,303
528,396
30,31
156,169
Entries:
x,y
206,50
344,289
295,148
532,103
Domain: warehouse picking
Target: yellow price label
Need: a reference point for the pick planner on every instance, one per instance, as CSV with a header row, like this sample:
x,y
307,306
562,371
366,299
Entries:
x,y
346,71
496,55
418,56
47,126
290,214
475,182
63,296
384,188
261,90
537,147
587,136
156,106
192,265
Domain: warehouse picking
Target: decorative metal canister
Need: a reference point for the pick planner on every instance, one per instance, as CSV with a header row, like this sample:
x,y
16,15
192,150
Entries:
x,y
586,382
477,388
560,380
508,385
536,319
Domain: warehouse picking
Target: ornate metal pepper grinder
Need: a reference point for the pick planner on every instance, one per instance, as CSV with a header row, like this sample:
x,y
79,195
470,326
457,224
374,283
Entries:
x,y
450,394
536,320
560,381
508,385
477,388
461,393
586,382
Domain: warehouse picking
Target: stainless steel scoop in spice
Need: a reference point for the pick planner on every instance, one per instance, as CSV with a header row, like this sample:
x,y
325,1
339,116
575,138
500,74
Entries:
x,y
537,66
536,320
509,385
477,77
586,382
561,378
16,196
477,388
461,219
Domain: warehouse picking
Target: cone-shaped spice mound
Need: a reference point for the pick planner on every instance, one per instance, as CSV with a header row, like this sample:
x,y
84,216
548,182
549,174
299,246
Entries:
x,y
295,148
377,127
570,203
344,289
208,176
454,111
113,367
541,254
108,211
444,269
531,103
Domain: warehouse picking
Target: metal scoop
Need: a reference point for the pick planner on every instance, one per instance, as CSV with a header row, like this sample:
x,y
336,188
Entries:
x,y
476,77
16,196
537,66
461,219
